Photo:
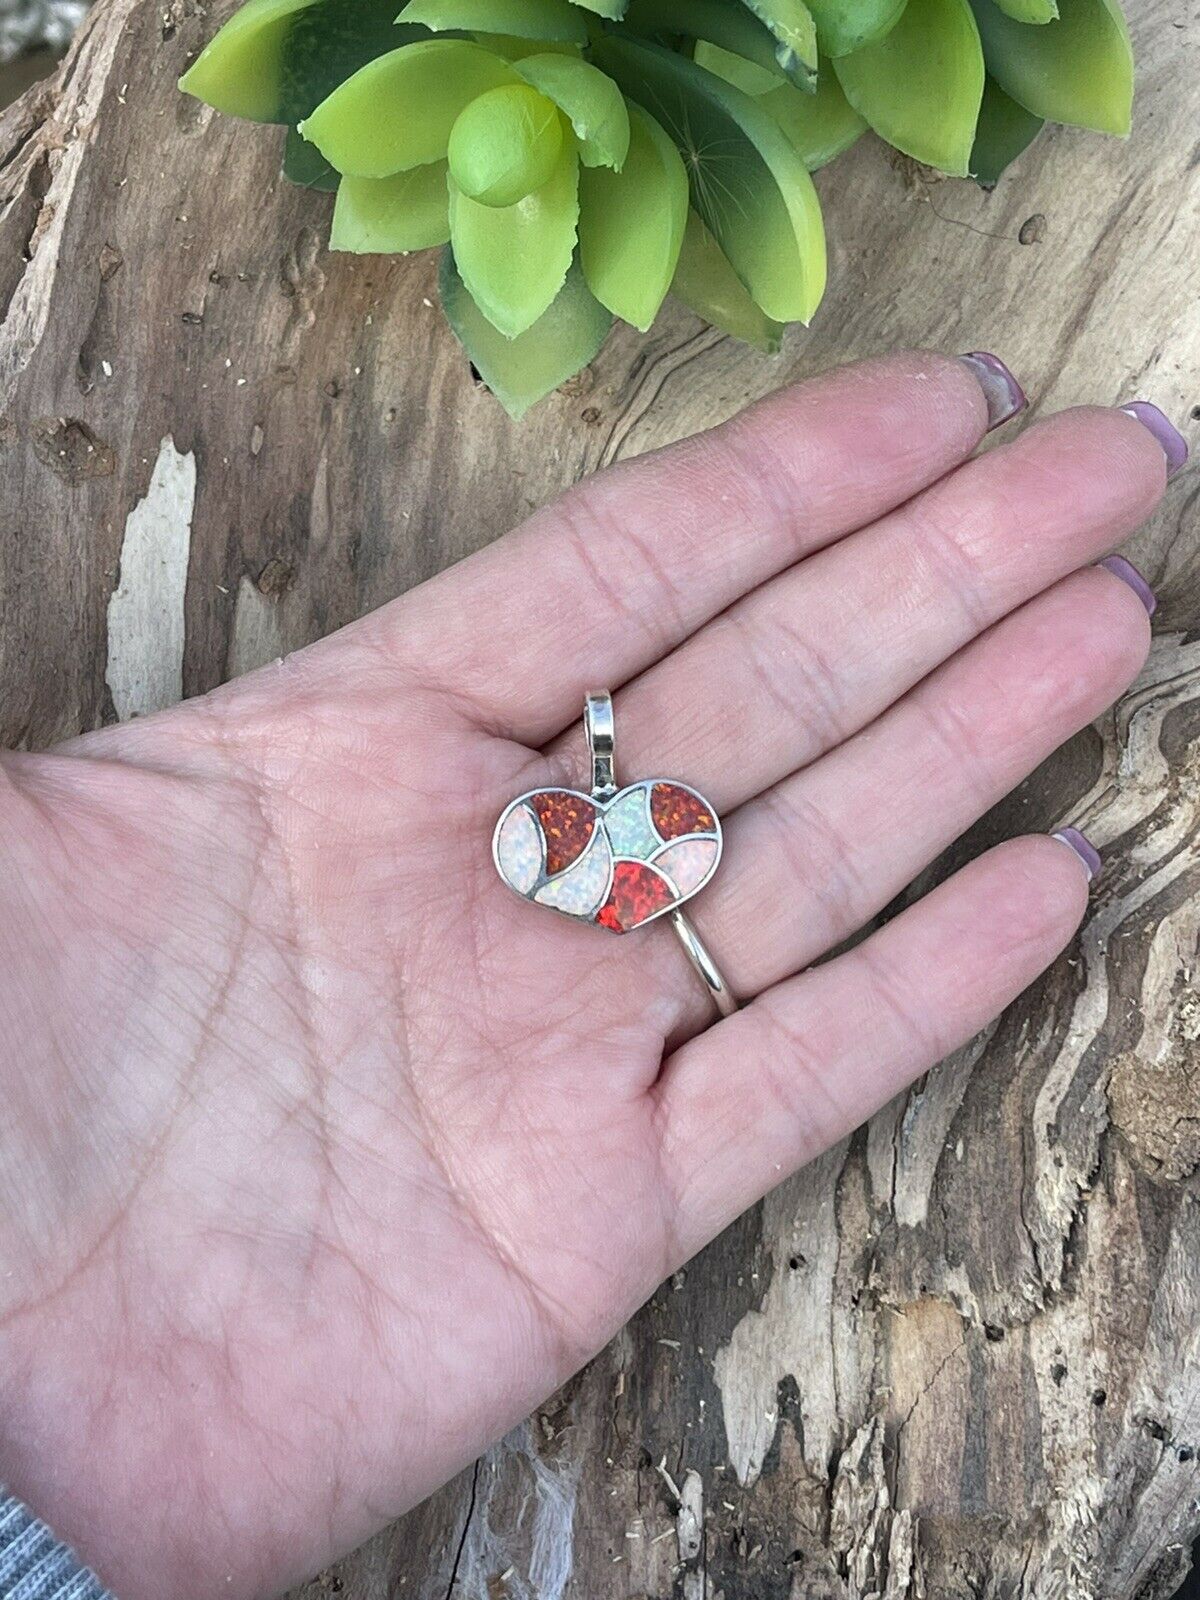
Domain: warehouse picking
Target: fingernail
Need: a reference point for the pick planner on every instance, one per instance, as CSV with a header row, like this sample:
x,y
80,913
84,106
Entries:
x,y
1087,853
1128,573
1004,395
1174,445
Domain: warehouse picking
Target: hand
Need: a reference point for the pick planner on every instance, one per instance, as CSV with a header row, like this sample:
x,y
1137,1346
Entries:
x,y
323,1157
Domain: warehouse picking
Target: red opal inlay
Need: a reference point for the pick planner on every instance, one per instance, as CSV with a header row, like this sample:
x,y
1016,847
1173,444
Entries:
x,y
676,811
637,893
567,821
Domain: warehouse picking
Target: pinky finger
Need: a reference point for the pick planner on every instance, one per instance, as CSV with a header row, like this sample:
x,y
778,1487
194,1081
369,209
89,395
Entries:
x,y
763,1092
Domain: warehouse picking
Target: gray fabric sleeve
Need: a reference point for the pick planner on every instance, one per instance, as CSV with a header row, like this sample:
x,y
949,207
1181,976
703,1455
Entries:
x,y
34,1565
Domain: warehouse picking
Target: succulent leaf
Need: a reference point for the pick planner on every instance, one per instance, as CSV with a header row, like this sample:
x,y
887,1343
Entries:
x,y
398,110
408,211
329,41
590,101
275,60
745,75
1035,11
920,86
721,22
819,125
525,19
614,10
791,22
505,144
521,371
844,26
514,259
706,283
1077,70
750,187
1005,130
631,223
305,166
241,70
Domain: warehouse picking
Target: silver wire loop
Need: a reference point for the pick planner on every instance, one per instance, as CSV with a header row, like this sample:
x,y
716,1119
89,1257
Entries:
x,y
699,955
600,726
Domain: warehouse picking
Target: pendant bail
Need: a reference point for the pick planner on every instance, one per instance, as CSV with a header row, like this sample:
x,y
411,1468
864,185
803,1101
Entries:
x,y
600,727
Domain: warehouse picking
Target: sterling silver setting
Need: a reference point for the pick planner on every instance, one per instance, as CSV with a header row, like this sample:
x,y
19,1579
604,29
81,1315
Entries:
x,y
620,856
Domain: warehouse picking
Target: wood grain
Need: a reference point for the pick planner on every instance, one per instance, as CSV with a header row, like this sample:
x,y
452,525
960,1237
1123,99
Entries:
x,y
957,1356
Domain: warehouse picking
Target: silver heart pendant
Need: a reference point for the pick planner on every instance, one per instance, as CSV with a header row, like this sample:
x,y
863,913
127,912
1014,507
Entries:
x,y
617,857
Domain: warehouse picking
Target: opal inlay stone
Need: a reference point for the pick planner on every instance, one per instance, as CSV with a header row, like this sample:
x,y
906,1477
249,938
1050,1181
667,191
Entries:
x,y
567,821
519,849
687,863
627,822
637,894
582,888
618,862
677,810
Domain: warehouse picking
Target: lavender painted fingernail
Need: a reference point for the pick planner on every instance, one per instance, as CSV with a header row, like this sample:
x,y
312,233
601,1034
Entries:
x,y
1129,574
1088,855
1174,445
1004,395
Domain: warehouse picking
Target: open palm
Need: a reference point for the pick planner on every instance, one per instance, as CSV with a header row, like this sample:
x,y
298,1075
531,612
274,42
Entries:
x,y
323,1156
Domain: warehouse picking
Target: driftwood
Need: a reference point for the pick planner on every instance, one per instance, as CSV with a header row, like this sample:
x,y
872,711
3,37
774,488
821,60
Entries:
x,y
958,1355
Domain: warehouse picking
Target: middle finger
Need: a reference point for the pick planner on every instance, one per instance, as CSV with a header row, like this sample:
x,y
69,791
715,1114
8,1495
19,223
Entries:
x,y
814,655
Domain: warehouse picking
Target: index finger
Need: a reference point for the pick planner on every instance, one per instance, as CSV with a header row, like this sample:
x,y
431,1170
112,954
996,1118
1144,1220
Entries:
x,y
609,578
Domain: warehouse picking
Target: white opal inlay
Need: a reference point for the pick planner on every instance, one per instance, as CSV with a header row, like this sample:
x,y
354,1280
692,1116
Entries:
x,y
628,824
582,889
687,863
519,849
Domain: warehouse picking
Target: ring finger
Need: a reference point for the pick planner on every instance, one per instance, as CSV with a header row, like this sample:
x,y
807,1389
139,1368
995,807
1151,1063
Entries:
x,y
815,858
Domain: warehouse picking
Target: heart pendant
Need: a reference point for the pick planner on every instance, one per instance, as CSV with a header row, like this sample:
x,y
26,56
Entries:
x,y
619,860
618,857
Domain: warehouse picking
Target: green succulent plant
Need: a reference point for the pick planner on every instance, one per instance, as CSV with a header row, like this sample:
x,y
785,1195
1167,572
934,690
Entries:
x,y
579,159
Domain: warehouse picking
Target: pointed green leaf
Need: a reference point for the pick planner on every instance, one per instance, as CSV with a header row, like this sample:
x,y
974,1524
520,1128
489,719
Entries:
x,y
397,112
590,100
240,71
304,165
745,75
521,371
329,41
706,283
920,86
526,19
505,145
408,211
722,22
513,259
614,10
791,23
1035,11
274,60
844,26
1077,70
820,126
747,182
631,223
1005,130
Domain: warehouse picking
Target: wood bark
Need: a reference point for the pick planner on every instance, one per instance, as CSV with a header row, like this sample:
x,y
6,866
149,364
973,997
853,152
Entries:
x,y
957,1356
